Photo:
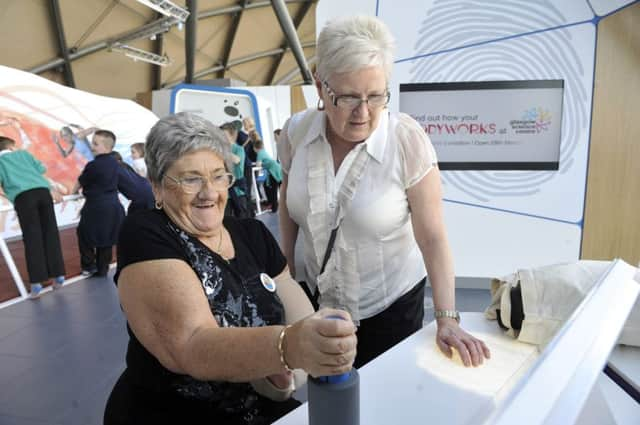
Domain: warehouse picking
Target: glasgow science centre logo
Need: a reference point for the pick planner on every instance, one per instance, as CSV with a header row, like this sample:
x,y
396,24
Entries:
x,y
533,121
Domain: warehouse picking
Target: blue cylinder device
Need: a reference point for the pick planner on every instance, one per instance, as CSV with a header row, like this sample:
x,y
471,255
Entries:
x,y
334,400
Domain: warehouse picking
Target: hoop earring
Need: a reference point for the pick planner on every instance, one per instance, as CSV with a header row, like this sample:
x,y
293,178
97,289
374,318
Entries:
x,y
320,105
158,205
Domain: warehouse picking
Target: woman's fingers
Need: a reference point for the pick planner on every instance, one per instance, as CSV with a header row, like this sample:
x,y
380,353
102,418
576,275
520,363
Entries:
x,y
460,347
335,323
485,350
472,351
330,342
336,345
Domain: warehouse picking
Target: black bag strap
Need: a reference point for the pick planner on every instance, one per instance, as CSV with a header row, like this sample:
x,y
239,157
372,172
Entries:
x,y
327,253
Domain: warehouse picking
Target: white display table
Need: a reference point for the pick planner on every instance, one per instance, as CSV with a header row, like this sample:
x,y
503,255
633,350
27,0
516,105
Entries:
x,y
415,383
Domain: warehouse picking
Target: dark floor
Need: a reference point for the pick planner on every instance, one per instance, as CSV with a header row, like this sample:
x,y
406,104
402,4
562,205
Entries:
x,y
61,354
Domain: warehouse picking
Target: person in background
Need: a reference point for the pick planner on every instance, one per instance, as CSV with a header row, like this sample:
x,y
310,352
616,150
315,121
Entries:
x,y
23,182
250,128
77,141
133,186
273,168
137,155
249,124
216,323
238,204
350,165
241,138
102,213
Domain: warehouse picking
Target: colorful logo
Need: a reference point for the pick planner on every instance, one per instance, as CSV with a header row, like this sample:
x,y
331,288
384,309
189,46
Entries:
x,y
268,283
541,118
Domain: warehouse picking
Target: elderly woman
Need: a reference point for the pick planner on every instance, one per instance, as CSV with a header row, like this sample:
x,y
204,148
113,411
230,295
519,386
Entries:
x,y
216,324
364,187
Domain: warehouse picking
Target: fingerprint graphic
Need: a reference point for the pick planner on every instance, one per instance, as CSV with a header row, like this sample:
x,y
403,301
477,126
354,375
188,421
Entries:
x,y
451,25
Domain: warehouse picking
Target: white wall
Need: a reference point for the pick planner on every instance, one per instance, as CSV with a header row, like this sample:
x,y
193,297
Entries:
x,y
501,221
273,102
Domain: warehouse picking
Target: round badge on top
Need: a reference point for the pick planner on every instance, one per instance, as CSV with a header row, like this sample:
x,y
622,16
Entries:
x,y
268,283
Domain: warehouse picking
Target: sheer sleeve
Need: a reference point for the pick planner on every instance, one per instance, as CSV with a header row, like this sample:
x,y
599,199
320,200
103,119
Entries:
x,y
292,134
284,148
416,151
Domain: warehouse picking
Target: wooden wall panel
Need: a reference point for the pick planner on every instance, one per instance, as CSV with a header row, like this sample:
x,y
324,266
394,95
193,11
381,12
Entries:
x,y
612,211
297,100
144,99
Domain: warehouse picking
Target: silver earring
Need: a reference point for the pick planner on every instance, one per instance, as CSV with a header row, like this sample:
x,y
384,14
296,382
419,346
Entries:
x,y
320,105
158,205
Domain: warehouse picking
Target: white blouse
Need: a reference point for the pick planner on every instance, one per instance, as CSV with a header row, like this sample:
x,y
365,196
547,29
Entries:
x,y
375,259
140,166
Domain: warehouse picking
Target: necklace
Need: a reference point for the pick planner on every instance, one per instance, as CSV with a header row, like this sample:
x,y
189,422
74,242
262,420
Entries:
x,y
218,249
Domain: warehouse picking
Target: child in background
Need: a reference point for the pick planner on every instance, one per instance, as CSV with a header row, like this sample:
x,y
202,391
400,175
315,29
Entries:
x,y
23,182
137,154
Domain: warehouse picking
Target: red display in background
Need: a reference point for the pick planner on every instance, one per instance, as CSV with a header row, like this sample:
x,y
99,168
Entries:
x,y
41,143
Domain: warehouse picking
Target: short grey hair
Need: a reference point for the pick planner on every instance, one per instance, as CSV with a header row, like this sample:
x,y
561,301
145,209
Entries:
x,y
180,134
350,44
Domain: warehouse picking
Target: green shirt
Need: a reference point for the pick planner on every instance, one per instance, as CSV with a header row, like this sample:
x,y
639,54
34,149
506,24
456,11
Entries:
x,y
273,167
20,171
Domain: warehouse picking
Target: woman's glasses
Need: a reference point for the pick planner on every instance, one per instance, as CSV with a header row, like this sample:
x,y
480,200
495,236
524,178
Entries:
x,y
350,102
194,184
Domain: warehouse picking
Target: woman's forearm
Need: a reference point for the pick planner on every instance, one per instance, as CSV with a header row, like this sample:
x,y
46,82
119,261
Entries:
x,y
232,354
439,263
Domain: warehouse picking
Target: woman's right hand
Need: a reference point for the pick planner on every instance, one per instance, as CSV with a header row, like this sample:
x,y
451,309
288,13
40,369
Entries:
x,y
322,345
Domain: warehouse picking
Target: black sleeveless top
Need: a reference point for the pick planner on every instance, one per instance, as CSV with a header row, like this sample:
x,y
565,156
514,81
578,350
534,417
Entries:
x,y
237,298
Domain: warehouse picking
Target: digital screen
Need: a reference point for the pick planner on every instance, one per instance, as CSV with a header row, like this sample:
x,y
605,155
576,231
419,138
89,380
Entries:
x,y
489,125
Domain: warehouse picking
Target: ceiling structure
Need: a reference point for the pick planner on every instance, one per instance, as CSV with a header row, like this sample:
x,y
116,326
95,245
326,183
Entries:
x,y
79,43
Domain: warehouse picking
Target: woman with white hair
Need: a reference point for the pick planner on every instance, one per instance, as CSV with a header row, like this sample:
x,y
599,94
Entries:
x,y
216,324
364,187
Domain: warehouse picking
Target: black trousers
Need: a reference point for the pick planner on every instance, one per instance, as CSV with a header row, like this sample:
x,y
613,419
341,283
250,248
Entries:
x,y
379,333
271,190
91,257
40,236
238,205
401,319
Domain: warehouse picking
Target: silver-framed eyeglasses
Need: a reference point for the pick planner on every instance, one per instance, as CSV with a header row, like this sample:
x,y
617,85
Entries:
x,y
350,102
194,184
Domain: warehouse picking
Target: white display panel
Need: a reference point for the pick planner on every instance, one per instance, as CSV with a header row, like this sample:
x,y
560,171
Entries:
x,y
217,105
489,125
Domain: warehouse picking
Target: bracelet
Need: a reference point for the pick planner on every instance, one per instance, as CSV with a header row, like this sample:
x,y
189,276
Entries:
x,y
283,332
452,314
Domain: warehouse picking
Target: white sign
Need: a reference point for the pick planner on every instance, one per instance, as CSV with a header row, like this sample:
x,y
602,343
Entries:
x,y
490,125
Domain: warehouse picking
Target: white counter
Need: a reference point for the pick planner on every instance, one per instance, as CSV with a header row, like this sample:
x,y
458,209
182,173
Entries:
x,y
414,383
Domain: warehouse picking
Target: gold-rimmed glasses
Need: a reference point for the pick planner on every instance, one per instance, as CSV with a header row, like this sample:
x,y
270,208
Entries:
x,y
194,184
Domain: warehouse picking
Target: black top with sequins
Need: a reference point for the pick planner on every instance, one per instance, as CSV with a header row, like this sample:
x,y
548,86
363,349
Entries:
x,y
237,298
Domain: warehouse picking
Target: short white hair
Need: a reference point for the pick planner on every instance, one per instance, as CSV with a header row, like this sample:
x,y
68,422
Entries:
x,y
177,135
352,43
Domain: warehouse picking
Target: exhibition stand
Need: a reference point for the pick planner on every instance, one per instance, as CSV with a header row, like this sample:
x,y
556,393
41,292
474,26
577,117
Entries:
x,y
414,383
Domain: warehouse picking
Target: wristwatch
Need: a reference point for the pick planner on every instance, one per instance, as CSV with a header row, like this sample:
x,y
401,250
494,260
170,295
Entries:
x,y
453,314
